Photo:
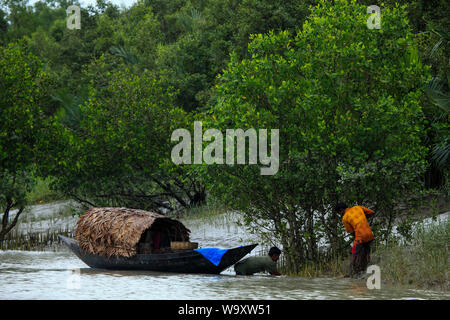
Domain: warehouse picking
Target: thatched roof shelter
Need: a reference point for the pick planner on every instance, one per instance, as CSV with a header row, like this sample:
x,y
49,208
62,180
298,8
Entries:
x,y
117,231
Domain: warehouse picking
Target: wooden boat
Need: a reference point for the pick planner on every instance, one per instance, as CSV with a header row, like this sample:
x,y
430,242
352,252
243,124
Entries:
x,y
183,262
133,239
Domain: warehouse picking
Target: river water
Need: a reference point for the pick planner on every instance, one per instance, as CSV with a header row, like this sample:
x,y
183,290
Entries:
x,y
61,275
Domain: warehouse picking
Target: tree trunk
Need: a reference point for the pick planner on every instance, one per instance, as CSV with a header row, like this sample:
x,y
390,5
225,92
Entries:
x,y
5,219
199,198
296,255
312,245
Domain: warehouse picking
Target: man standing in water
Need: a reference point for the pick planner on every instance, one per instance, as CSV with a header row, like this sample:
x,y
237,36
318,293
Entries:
x,y
355,222
253,265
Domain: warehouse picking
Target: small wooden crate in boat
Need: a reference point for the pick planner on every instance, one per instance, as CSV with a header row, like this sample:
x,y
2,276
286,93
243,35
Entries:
x,y
183,245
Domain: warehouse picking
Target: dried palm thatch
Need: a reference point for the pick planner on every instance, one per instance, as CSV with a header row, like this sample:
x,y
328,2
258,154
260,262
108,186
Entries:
x,y
117,231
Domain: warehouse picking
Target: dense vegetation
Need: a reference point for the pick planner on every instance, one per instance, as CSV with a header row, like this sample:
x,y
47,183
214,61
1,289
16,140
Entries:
x,y
422,261
362,113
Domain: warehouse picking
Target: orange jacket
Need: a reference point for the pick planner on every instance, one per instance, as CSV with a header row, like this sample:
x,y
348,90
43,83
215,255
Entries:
x,y
355,221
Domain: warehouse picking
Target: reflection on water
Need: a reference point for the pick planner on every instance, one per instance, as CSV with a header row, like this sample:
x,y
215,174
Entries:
x,y
49,275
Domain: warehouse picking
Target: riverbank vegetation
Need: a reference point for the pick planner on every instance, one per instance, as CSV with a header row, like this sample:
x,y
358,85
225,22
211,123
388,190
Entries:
x,y
87,114
342,124
421,261
42,193
37,229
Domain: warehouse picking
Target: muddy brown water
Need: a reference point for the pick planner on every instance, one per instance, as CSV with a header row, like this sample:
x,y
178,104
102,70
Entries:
x,y
54,275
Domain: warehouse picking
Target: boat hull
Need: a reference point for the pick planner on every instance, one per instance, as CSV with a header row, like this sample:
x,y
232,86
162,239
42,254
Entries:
x,y
183,262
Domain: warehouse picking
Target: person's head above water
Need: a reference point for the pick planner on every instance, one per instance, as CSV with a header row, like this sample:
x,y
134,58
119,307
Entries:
x,y
340,208
274,253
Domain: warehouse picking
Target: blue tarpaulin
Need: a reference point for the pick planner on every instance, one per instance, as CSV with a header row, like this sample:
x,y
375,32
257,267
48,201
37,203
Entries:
x,y
212,254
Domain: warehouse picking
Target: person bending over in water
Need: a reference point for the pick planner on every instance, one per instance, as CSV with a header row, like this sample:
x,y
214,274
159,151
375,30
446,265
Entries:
x,y
355,222
253,265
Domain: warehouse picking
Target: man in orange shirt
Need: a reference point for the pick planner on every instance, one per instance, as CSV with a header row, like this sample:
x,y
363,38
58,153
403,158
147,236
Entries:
x,y
355,222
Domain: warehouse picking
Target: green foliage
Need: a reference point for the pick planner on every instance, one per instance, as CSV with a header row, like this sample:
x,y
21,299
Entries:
x,y
41,192
119,151
346,100
441,150
14,187
438,93
22,89
404,229
23,86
